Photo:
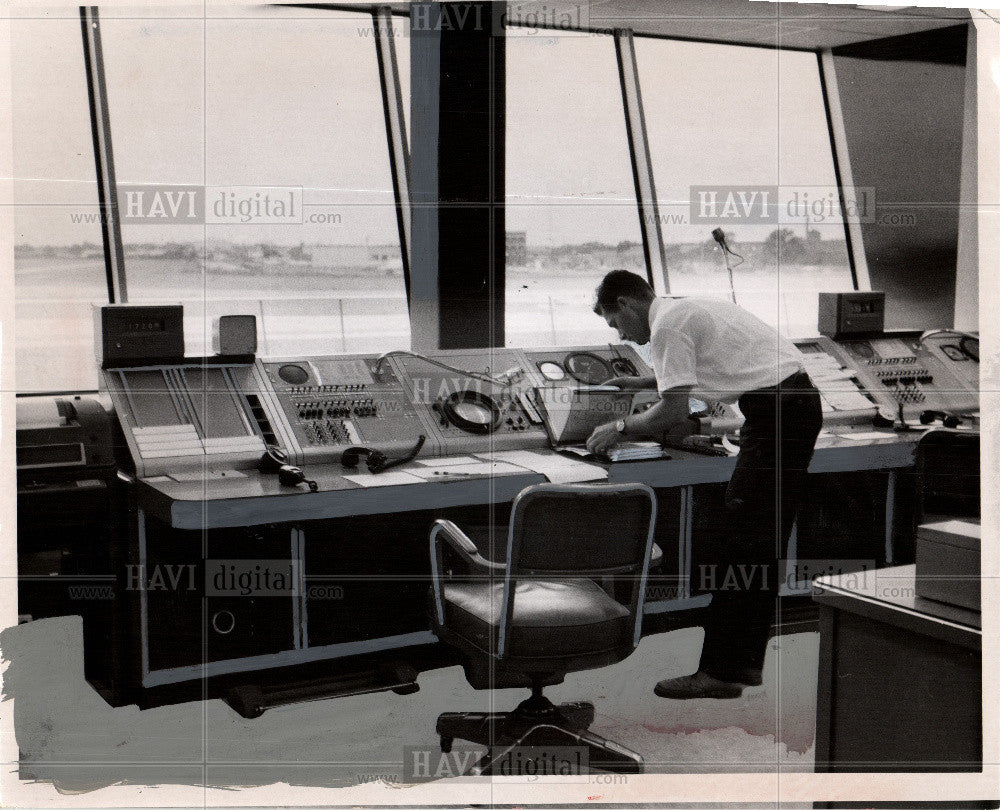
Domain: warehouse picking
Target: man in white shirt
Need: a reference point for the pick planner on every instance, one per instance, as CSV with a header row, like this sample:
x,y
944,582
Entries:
x,y
715,350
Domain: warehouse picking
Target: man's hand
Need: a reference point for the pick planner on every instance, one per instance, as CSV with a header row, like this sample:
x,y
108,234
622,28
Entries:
x,y
630,383
603,439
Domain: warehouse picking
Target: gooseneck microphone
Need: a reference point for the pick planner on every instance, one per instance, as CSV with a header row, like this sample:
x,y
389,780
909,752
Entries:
x,y
719,236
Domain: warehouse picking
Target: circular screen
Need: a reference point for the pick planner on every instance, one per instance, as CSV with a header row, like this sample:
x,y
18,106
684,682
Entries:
x,y
474,412
587,368
552,371
293,374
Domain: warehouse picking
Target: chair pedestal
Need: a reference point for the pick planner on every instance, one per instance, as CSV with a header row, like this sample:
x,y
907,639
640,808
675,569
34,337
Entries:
x,y
529,733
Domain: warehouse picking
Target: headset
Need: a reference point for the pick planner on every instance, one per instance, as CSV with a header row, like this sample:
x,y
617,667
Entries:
x,y
275,461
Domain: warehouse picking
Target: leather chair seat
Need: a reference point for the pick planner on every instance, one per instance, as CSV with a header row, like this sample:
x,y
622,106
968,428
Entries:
x,y
551,617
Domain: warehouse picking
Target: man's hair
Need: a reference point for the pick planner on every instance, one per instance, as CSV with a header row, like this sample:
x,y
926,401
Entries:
x,y
621,283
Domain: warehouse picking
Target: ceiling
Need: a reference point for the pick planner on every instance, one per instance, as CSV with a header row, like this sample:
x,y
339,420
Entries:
x,y
748,22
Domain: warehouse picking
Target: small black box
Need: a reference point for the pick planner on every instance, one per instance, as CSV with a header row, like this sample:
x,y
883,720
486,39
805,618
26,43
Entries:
x,y
235,335
132,335
851,313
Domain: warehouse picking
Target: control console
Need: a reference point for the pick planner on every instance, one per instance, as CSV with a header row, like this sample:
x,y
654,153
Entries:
x,y
897,369
475,400
335,402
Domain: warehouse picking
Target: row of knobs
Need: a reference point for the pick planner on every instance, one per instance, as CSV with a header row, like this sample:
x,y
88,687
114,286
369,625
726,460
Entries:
x,y
299,390
319,410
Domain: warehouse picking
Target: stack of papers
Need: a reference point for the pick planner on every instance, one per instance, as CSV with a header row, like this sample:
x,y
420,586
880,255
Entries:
x,y
626,451
635,451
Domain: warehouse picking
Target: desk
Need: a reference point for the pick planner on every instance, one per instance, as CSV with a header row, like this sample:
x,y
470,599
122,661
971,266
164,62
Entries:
x,y
372,542
255,499
900,680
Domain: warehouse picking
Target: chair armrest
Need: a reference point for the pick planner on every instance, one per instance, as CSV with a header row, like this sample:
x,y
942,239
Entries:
x,y
460,541
465,548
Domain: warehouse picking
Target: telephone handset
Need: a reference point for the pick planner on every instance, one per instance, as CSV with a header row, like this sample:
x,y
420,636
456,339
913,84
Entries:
x,y
274,461
376,460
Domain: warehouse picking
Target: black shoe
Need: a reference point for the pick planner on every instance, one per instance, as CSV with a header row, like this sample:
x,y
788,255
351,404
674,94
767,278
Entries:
x,y
699,685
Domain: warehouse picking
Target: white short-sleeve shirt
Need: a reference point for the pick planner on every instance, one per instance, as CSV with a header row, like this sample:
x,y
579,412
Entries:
x,y
716,347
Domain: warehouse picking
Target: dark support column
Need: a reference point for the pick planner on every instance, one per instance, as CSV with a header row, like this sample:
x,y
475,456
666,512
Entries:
x,y
457,153
902,105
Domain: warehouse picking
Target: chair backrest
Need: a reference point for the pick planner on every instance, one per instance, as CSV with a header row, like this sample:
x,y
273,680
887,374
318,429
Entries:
x,y
580,530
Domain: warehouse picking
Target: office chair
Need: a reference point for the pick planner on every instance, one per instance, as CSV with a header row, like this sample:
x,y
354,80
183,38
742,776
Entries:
x,y
541,614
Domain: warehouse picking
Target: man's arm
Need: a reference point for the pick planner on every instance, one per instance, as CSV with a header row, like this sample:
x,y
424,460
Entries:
x,y
669,415
631,383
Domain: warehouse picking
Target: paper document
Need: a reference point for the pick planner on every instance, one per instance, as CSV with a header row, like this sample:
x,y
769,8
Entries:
x,y
867,436
558,469
846,400
390,478
473,468
447,461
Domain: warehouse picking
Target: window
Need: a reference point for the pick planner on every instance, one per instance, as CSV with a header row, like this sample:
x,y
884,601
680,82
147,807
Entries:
x,y
744,119
571,212
277,113
58,249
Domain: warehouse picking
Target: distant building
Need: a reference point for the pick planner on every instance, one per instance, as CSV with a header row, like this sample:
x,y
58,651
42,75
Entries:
x,y
517,248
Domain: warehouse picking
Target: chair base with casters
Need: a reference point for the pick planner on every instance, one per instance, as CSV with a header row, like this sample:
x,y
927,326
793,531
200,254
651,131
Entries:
x,y
551,608
533,730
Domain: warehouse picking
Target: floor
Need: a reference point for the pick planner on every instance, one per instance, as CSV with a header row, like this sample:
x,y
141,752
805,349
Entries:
x,y
67,735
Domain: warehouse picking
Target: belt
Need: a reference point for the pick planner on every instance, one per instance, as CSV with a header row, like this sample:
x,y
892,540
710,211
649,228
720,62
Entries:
x,y
800,379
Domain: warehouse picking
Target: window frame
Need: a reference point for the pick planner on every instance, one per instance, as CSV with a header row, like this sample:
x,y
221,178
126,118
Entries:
x,y
654,249
397,143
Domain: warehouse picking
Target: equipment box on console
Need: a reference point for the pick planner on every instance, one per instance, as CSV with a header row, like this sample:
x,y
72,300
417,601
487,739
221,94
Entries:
x,y
948,562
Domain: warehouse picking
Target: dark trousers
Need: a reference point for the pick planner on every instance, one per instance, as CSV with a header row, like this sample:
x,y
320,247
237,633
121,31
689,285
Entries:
x,y
776,445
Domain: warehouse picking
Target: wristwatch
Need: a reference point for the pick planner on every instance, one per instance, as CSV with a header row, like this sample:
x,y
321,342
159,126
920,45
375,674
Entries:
x,y
620,426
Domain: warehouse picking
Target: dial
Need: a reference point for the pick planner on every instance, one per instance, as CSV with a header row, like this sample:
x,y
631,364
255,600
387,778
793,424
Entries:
x,y
552,371
588,368
622,367
293,374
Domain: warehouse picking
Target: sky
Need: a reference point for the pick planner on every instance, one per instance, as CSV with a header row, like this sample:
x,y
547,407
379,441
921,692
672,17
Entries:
x,y
291,98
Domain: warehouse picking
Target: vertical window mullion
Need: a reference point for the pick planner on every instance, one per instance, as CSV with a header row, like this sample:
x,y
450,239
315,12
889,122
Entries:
x,y
642,168
842,171
103,155
395,124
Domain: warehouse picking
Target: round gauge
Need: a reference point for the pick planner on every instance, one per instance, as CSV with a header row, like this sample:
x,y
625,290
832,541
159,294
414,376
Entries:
x,y
864,350
588,368
471,411
552,371
293,374
697,407
970,347
622,367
